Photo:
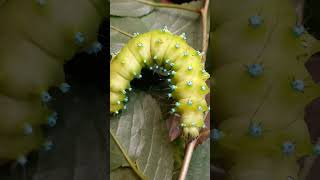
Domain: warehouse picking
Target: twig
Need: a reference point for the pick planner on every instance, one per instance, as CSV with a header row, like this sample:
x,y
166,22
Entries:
x,y
187,159
204,21
300,10
191,145
121,31
155,4
132,164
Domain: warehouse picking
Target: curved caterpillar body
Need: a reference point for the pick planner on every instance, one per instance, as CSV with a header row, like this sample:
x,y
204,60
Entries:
x,y
37,37
170,54
261,88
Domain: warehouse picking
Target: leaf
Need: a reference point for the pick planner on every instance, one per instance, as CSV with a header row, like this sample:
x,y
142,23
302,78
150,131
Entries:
x,y
124,173
200,162
117,159
117,39
142,133
177,21
128,8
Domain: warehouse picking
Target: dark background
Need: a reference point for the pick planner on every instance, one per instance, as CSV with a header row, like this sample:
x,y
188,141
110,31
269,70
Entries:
x,y
312,23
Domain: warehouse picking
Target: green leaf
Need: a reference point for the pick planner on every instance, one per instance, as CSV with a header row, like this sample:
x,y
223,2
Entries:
x,y
144,137
123,173
117,39
200,162
177,21
117,159
128,8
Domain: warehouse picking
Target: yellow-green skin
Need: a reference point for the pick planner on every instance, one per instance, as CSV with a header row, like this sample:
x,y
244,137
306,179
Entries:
x,y
36,40
161,48
269,98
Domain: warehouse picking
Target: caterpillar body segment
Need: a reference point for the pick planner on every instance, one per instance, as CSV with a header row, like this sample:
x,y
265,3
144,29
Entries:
x,y
37,37
16,115
262,88
162,50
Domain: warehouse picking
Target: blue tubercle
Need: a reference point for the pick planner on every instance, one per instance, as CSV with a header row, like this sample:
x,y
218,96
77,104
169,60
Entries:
x,y
165,29
183,36
173,87
64,87
139,76
316,149
79,38
22,160
216,134
95,48
46,97
288,148
255,21
298,30
42,2
298,85
52,119
255,70
27,129
177,104
48,145
255,129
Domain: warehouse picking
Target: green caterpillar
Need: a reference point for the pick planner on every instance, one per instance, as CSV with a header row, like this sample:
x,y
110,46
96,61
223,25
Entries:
x,y
261,88
37,37
169,54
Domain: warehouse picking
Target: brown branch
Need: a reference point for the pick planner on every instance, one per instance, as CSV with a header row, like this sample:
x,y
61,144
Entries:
x,y
187,159
300,11
204,23
191,145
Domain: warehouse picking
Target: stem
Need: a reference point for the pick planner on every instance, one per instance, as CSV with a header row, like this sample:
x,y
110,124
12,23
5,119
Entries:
x,y
121,31
191,145
187,159
132,164
155,4
300,10
204,22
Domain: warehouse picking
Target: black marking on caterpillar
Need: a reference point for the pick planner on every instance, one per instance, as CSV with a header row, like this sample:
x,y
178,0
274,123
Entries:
x,y
170,56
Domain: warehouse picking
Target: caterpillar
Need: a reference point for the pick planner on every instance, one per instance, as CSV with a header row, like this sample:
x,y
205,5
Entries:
x,y
261,88
37,37
170,55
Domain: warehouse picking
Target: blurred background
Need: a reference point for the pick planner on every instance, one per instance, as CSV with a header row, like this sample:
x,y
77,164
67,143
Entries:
x,y
80,136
